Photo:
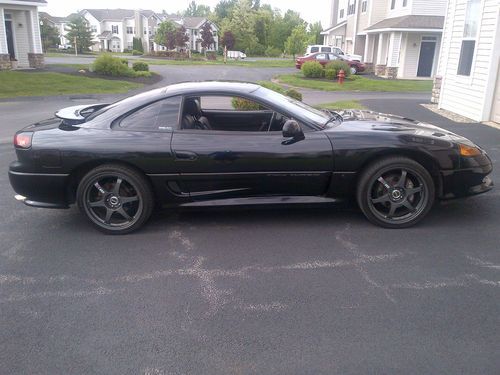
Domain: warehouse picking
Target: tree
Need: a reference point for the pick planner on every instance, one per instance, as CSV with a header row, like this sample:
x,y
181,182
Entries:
x,y
207,37
137,44
228,40
314,34
181,37
242,24
166,34
49,35
79,29
223,9
195,10
296,42
282,27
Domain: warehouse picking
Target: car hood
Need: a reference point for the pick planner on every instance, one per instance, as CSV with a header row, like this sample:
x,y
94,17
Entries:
x,y
362,120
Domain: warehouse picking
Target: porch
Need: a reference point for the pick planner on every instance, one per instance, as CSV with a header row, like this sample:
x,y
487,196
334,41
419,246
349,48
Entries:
x,y
20,44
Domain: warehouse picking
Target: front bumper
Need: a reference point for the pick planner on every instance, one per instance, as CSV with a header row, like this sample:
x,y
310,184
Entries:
x,y
464,182
40,189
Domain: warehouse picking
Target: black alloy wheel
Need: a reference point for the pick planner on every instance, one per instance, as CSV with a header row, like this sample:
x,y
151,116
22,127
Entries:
x,y
116,199
395,192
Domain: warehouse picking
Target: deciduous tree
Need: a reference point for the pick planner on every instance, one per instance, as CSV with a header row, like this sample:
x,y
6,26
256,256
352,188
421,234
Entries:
x,y
207,37
296,42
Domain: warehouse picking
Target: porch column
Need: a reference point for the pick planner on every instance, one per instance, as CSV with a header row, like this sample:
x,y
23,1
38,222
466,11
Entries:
x,y
368,53
393,55
4,51
35,52
381,54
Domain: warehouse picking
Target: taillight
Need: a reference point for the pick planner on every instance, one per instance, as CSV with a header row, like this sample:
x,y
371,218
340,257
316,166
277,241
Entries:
x,y
23,140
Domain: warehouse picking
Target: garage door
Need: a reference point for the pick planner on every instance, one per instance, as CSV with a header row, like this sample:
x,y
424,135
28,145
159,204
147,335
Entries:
x,y
495,110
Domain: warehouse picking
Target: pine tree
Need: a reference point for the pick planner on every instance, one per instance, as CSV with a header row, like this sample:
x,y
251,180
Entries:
x,y
79,29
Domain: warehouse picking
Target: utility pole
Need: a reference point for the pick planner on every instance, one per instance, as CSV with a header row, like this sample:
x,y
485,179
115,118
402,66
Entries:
x,y
76,47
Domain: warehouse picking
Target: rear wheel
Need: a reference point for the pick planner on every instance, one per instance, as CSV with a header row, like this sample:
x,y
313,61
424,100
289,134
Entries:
x,y
116,199
395,192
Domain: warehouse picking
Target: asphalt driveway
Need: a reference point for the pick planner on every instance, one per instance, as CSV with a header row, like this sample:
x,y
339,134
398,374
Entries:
x,y
295,291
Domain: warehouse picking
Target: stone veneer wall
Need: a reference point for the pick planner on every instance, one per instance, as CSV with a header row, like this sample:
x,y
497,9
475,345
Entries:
x,y
5,62
436,89
36,60
391,72
379,70
369,67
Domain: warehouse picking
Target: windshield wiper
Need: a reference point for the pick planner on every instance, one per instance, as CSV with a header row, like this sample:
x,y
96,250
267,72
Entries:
x,y
336,117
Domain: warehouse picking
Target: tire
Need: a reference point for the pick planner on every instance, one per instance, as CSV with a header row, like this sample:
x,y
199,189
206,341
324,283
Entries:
x,y
395,192
116,199
353,70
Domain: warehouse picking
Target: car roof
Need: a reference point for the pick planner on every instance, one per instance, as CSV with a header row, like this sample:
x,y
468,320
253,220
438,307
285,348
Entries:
x,y
187,88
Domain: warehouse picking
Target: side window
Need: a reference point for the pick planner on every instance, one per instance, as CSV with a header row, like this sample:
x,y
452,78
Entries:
x,y
321,56
326,49
332,56
161,114
314,49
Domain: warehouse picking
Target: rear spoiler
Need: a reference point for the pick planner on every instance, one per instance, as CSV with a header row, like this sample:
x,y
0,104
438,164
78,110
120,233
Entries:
x,y
78,113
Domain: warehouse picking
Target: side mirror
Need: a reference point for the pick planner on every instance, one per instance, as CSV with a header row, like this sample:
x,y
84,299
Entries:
x,y
292,129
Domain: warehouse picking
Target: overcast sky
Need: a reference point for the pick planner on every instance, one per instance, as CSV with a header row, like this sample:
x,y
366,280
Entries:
x,y
310,10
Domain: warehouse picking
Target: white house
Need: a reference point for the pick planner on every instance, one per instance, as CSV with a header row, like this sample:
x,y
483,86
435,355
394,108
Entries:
x,y
468,80
60,23
193,27
20,43
115,29
398,38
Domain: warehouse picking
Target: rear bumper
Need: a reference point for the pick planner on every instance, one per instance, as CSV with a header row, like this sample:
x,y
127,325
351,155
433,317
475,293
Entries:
x,y
464,182
40,189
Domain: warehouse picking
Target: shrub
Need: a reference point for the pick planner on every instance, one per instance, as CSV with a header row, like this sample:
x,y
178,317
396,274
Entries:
x,y
273,52
211,55
242,104
312,69
338,65
110,66
136,53
294,94
124,61
330,74
140,73
137,44
173,55
140,66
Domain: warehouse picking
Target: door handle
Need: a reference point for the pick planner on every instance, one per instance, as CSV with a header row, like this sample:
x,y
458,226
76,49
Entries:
x,y
185,155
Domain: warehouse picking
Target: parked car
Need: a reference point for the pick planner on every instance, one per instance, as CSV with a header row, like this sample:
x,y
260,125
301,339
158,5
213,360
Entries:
x,y
237,55
64,46
181,146
331,49
324,58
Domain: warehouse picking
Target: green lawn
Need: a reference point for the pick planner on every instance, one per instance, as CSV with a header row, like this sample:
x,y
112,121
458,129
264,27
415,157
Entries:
x,y
14,84
341,104
279,63
356,83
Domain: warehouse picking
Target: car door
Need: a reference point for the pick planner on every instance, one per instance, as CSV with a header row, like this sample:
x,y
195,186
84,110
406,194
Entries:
x,y
322,58
229,164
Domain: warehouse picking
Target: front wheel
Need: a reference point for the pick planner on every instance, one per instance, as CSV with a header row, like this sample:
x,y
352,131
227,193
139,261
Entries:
x,y
354,70
116,199
395,192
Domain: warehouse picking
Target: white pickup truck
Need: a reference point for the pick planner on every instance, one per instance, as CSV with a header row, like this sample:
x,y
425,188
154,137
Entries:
x,y
236,55
330,49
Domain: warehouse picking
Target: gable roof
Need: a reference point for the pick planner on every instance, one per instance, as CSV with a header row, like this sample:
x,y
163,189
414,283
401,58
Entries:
x,y
52,19
193,22
117,14
409,22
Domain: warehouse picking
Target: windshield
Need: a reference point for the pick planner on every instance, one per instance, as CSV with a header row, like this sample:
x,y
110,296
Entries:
x,y
300,109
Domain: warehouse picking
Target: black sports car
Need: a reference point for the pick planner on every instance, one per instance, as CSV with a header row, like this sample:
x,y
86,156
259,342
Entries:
x,y
227,143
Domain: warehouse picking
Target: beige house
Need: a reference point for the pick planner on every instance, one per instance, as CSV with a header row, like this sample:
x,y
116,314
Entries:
x,y
397,38
468,79
20,43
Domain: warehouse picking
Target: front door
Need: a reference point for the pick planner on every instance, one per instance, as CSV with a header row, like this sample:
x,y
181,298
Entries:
x,y
426,59
10,39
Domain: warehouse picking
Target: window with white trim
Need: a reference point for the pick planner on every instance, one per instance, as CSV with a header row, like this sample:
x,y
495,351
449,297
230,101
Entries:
x,y
130,30
351,7
405,3
471,25
114,29
364,6
341,13
393,4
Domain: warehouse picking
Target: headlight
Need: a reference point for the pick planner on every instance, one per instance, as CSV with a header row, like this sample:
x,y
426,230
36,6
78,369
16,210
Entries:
x,y
466,150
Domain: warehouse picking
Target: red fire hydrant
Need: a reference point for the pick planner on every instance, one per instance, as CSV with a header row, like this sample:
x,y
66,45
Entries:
x,y
341,76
